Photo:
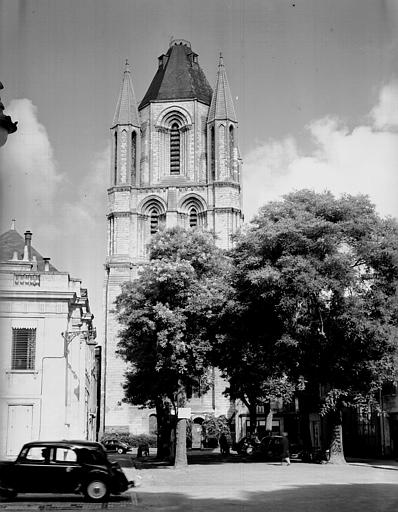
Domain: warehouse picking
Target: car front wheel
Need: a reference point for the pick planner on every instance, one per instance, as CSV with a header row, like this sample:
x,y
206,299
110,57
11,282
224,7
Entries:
x,y
96,490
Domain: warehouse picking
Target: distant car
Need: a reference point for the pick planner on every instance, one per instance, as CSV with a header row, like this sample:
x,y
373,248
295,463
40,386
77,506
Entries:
x,y
114,445
271,449
247,446
63,467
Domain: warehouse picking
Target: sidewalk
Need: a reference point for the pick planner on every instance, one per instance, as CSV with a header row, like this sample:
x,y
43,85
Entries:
x,y
375,463
218,486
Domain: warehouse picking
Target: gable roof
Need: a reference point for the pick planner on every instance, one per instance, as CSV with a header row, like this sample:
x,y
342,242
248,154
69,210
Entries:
x,y
178,77
12,241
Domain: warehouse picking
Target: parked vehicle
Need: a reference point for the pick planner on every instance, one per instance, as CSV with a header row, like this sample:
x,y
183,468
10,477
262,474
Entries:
x,y
114,445
271,449
63,467
247,446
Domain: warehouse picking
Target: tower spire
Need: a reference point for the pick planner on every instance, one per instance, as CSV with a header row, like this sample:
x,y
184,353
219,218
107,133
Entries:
x,y
222,106
126,108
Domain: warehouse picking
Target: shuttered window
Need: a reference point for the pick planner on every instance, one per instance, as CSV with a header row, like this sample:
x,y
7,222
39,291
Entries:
x,y
193,218
154,218
174,149
23,349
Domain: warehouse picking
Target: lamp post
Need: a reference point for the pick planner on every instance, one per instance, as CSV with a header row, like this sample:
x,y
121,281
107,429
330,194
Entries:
x,y
7,126
89,337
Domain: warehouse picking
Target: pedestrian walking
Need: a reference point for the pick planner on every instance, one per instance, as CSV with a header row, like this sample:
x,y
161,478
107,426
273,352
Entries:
x,y
285,449
224,444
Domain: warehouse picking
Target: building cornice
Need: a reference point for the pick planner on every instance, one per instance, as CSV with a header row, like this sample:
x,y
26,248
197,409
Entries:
x,y
37,295
232,184
119,188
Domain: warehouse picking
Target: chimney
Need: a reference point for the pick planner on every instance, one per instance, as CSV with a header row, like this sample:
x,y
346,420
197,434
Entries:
x,y
13,224
28,248
46,264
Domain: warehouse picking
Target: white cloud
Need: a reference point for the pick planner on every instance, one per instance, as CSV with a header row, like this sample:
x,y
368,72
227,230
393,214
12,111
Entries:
x,y
29,174
67,219
385,113
363,160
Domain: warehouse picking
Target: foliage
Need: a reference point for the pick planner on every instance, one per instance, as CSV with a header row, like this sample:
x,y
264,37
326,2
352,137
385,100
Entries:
x,y
169,317
315,299
131,439
213,427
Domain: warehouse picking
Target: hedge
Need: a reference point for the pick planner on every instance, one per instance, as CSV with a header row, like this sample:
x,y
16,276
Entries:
x,y
132,439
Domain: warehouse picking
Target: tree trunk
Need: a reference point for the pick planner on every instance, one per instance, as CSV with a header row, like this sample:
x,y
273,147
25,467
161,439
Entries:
x,y
336,439
181,460
163,431
252,408
268,413
253,418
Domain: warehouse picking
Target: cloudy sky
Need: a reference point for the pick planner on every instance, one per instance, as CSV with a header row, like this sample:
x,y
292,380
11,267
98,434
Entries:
x,y
315,84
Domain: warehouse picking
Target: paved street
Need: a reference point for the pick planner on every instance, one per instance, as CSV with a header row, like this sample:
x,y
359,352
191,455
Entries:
x,y
211,484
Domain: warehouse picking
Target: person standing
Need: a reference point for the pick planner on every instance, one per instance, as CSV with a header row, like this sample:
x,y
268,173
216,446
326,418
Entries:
x,y
285,449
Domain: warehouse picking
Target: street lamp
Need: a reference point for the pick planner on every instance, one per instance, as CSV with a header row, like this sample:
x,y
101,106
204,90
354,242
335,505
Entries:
x,y
88,336
6,124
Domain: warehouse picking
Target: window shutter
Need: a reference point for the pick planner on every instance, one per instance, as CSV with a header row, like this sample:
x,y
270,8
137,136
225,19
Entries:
x,y
23,349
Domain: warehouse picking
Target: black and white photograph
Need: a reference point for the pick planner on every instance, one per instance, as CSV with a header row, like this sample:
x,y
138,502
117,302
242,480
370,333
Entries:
x,y
199,255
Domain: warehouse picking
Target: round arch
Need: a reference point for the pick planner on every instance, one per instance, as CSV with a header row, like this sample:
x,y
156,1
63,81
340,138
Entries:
x,y
192,200
150,202
174,114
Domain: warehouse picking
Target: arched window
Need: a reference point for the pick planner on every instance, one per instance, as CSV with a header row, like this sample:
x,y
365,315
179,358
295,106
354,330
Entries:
x,y
231,144
174,149
153,424
133,157
212,153
111,249
115,161
154,220
193,217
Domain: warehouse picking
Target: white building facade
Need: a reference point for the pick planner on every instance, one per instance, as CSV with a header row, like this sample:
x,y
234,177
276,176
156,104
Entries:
x,y
48,377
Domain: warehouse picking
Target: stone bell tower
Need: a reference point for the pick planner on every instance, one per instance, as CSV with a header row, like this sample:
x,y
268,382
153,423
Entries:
x,y
175,161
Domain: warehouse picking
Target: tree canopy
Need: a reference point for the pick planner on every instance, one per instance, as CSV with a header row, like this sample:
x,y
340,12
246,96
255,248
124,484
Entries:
x,y
315,300
169,317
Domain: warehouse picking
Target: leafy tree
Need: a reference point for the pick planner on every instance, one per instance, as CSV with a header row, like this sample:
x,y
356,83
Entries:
x,y
213,427
169,321
315,300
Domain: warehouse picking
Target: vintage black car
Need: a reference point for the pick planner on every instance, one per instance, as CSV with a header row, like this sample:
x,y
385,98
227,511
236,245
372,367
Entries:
x,y
63,467
114,445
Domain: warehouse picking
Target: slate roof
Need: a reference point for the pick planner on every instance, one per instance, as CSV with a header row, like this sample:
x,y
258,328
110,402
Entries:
x,y
179,76
11,241
222,106
126,109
